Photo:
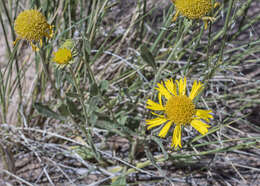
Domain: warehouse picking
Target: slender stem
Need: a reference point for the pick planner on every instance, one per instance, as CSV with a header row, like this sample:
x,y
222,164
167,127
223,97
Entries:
x,y
87,131
46,71
143,20
79,93
8,47
2,98
208,47
93,80
223,44
9,19
225,30
163,32
193,50
5,34
174,156
182,30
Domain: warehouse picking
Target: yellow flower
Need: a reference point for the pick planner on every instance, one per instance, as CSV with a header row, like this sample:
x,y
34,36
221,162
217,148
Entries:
x,y
32,26
194,9
62,57
179,109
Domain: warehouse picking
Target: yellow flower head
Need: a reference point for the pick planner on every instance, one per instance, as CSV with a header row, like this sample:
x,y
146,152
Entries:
x,y
32,26
178,109
194,9
62,57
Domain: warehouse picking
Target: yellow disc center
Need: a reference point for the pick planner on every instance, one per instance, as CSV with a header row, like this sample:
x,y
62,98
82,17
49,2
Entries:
x,y
194,9
180,109
62,56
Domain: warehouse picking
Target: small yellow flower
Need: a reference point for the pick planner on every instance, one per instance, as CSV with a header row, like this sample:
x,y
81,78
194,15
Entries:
x,y
32,26
62,57
194,9
179,109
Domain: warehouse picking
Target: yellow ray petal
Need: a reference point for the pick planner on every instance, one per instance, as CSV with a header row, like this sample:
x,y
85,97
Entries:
x,y
165,129
163,91
176,16
205,25
206,19
217,4
200,126
159,115
50,35
171,86
204,114
196,89
176,138
154,106
155,122
41,43
160,99
182,86
34,47
16,40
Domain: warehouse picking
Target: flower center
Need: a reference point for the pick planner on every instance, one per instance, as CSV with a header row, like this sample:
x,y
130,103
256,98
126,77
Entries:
x,y
180,109
62,56
193,9
32,25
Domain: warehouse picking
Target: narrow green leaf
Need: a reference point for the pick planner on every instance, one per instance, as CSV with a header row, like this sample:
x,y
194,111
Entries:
x,y
104,85
72,95
72,107
120,181
150,156
93,90
46,111
159,142
147,56
63,110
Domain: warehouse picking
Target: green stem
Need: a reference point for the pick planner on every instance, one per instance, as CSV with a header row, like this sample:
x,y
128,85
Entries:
x,y
223,44
182,30
93,80
87,131
193,50
143,20
46,71
174,156
81,98
225,30
8,47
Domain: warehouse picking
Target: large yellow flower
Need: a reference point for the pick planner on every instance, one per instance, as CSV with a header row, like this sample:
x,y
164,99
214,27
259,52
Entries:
x,y
194,9
178,109
32,26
